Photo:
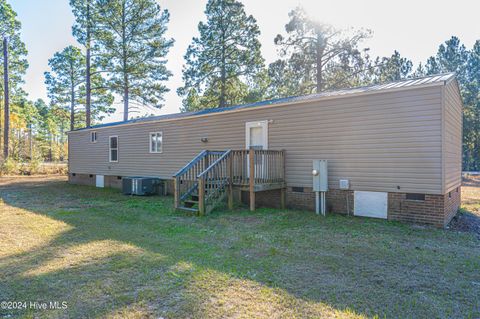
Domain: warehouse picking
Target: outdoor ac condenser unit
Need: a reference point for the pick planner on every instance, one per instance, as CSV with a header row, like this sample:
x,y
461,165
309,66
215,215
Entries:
x,y
140,186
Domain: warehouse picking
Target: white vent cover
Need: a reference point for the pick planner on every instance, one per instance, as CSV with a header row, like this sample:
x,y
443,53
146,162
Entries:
x,y
371,204
344,184
100,181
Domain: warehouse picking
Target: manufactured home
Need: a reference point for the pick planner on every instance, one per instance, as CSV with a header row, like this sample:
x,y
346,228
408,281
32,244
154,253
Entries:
x,y
392,151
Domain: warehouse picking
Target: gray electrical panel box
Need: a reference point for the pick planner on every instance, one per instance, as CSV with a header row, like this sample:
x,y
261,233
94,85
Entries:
x,y
320,175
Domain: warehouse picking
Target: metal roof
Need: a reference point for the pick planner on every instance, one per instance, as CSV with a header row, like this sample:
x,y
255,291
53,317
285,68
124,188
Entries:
x,y
408,83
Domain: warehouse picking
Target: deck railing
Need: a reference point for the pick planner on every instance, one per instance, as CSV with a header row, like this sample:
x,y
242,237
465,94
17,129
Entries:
x,y
259,166
211,175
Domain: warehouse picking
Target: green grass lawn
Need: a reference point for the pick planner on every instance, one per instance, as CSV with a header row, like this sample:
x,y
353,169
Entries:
x,y
109,255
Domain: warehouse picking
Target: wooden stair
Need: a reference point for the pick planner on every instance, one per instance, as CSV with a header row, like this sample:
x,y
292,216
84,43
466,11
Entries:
x,y
202,184
209,178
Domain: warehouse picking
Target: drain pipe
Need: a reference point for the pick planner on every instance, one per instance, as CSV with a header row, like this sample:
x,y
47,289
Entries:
x,y
320,185
320,203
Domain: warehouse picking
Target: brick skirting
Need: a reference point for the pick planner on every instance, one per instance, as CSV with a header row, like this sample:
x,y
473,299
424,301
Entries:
x,y
90,180
81,179
436,210
271,198
338,201
453,200
113,181
109,181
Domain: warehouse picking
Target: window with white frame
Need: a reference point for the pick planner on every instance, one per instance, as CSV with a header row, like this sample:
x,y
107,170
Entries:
x,y
156,140
113,145
93,137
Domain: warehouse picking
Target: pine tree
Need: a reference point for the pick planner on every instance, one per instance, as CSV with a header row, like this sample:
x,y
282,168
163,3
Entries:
x,y
318,54
471,122
133,49
288,79
420,71
15,63
453,56
98,101
83,30
10,27
223,60
393,68
50,125
66,81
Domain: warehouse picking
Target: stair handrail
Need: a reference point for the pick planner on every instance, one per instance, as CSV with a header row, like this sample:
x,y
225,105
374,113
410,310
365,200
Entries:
x,y
209,168
186,171
203,204
213,174
196,159
186,180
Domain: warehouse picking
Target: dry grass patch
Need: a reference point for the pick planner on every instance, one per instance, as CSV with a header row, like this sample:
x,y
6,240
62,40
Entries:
x,y
217,295
468,219
83,255
114,256
19,236
471,195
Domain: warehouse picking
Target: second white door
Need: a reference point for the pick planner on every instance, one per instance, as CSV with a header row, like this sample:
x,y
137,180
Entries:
x,y
257,138
256,135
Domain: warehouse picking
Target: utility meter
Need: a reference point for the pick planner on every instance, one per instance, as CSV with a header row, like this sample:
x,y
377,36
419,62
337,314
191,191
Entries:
x,y
320,176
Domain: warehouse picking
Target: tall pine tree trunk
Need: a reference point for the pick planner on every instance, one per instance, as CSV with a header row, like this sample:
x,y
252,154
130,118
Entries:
x,y
125,75
223,84
6,99
319,54
223,75
88,82
62,141
125,100
30,141
50,152
88,92
72,108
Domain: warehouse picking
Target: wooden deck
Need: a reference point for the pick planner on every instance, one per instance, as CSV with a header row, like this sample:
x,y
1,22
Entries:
x,y
212,175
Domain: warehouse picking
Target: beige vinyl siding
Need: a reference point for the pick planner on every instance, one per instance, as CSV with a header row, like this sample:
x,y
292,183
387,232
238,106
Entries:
x,y
378,141
453,136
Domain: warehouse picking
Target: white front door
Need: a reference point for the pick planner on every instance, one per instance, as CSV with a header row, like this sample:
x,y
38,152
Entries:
x,y
257,138
256,135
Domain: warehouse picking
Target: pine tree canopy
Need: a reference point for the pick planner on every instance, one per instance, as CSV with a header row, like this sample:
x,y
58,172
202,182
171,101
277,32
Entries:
x,y
318,55
10,28
221,62
133,49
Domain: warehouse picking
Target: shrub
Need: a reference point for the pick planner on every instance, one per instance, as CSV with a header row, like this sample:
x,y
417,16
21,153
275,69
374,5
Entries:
x,y
33,167
9,167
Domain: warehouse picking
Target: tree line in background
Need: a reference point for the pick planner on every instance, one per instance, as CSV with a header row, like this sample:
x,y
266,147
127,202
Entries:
x,y
122,55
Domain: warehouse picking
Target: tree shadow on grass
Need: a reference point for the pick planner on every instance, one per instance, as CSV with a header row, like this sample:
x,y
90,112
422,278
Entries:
x,y
126,252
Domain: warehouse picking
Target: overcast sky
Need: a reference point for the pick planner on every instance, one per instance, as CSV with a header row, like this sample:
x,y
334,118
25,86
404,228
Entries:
x,y
413,27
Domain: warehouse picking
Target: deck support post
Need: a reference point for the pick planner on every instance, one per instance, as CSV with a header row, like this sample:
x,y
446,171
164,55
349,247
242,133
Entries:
x,y
283,197
201,196
251,179
230,181
176,191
